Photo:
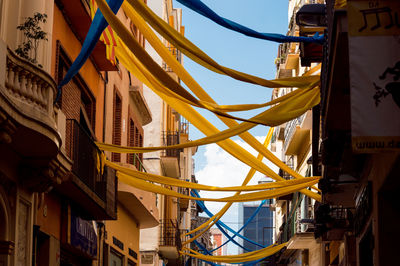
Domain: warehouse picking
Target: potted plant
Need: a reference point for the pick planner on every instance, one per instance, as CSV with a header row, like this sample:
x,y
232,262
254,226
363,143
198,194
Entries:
x,y
33,34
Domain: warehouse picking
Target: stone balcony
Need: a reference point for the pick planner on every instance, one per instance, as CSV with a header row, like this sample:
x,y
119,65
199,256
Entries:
x,y
28,123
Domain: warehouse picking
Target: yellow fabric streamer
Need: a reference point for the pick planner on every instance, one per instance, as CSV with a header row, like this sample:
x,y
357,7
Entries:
x,y
185,184
158,72
213,220
202,123
245,257
197,55
195,87
339,4
273,112
252,196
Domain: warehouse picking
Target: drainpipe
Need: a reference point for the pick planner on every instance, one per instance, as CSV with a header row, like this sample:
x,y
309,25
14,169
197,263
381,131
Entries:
x,y
105,80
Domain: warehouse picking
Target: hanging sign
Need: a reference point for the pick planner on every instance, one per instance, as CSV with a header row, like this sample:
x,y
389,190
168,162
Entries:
x,y
83,235
374,60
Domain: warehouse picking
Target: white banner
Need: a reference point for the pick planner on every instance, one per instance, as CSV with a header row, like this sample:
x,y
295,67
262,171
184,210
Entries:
x,y
374,60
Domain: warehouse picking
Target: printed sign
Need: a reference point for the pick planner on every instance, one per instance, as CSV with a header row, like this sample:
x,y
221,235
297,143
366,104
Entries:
x,y
374,60
83,235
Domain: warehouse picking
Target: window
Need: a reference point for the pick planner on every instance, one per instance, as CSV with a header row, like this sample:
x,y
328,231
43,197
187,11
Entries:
x,y
76,101
117,118
116,259
131,263
131,141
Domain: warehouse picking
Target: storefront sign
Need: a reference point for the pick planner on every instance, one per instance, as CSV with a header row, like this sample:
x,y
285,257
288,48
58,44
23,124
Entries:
x,y
83,235
374,60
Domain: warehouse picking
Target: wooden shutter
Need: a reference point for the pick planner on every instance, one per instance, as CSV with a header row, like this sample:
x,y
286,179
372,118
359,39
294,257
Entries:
x,y
117,118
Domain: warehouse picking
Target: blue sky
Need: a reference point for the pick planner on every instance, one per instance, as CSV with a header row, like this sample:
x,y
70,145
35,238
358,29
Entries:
x,y
234,50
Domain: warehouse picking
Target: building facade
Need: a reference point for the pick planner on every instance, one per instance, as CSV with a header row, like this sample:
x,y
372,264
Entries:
x,y
57,207
292,143
359,184
261,227
217,239
161,244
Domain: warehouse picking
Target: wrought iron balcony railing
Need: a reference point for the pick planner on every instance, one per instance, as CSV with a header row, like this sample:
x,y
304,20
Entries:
x,y
177,54
85,155
170,234
170,138
136,160
291,128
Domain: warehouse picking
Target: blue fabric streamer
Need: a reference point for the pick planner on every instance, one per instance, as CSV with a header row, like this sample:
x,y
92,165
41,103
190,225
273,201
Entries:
x,y
202,205
244,225
220,224
201,8
96,29
205,250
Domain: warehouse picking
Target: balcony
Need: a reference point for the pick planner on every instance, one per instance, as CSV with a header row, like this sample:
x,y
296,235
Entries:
x,y
141,204
139,102
94,192
28,123
178,55
332,222
297,136
170,239
298,229
183,203
170,158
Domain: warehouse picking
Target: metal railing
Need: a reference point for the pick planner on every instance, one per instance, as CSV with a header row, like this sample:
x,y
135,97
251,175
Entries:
x,y
183,190
170,138
85,155
177,54
291,128
284,174
170,234
135,160
184,126
166,67
293,222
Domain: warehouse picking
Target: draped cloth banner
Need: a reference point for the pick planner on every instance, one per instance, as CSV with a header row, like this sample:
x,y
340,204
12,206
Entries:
x,y
148,62
96,29
202,9
252,196
215,218
302,100
136,10
235,233
186,184
236,151
245,257
374,66
108,37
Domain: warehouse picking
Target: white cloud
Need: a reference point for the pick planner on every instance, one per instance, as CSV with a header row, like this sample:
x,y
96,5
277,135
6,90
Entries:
x,y
222,169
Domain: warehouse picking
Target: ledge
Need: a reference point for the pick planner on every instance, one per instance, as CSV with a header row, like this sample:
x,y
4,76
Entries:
x,y
141,104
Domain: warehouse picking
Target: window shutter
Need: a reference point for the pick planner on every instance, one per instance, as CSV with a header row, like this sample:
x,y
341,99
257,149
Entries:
x,y
117,117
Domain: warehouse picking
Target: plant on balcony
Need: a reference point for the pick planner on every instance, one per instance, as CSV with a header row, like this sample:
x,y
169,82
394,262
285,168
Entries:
x,y
33,34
